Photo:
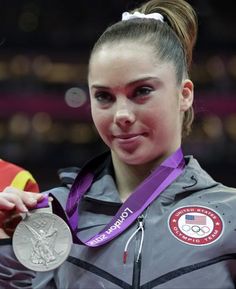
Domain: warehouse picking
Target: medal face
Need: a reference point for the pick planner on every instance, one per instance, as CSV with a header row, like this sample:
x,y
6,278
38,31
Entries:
x,y
42,241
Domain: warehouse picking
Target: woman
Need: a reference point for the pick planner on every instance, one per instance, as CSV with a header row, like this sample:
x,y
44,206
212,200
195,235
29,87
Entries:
x,y
142,216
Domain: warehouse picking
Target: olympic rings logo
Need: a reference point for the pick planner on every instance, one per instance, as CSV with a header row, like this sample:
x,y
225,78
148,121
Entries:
x,y
199,230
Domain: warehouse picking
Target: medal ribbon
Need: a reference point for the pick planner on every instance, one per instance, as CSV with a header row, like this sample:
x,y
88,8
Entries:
x,y
138,201
42,203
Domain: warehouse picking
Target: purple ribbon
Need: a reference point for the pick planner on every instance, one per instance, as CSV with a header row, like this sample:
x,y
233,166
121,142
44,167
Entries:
x,y
42,203
138,201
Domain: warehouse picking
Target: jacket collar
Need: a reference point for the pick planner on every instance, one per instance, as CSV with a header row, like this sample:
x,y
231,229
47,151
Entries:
x,y
103,189
193,179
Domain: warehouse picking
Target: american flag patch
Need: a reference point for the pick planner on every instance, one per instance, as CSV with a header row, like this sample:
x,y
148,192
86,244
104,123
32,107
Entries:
x,y
195,219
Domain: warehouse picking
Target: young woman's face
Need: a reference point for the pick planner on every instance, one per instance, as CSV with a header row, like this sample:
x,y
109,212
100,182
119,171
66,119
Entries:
x,y
136,102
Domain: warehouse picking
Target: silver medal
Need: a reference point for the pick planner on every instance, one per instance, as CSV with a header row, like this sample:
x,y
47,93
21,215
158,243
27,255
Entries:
x,y
42,241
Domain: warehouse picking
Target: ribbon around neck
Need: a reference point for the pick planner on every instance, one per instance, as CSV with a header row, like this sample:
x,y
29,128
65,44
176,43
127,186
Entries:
x,y
139,200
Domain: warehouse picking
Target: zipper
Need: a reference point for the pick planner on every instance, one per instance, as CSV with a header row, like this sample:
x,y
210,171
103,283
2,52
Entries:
x,y
137,253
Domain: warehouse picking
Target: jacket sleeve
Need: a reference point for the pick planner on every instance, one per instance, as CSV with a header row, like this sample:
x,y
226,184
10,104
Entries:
x,y
13,275
31,186
25,181
17,177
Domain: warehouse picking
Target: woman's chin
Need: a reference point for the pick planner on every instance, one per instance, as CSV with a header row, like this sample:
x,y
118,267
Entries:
x,y
132,158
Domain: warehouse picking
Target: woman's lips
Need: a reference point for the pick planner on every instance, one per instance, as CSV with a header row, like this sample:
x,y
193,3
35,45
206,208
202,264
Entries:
x,y
128,140
126,136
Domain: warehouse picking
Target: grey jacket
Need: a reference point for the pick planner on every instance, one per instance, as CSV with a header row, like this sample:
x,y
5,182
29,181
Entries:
x,y
189,238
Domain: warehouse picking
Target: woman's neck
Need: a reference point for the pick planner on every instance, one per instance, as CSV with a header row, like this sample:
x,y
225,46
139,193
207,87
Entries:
x,y
128,177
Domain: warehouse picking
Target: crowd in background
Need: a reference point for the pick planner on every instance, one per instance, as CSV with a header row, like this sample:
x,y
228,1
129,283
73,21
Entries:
x,y
45,121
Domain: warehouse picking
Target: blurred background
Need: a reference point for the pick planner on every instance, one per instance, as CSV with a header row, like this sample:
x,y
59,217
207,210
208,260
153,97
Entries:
x,y
45,121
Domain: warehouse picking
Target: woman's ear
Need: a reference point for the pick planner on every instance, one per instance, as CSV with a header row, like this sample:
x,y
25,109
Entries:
x,y
186,95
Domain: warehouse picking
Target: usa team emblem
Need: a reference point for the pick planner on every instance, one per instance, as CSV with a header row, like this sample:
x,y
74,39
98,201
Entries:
x,y
196,225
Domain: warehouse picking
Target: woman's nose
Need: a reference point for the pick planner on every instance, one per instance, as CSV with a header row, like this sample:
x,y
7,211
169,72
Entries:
x,y
124,116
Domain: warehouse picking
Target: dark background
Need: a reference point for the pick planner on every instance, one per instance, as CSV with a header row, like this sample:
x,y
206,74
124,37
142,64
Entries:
x,y
45,120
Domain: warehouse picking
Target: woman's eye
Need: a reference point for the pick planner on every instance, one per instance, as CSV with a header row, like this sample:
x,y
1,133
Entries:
x,y
103,97
143,91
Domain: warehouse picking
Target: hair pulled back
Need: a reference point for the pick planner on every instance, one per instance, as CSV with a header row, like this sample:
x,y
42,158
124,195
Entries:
x,y
172,40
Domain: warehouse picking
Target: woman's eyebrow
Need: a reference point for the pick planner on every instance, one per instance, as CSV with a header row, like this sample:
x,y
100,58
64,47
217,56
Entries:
x,y
96,86
131,83
141,80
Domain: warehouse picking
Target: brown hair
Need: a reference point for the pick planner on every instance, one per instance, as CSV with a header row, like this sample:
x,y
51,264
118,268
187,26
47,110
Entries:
x,y
172,40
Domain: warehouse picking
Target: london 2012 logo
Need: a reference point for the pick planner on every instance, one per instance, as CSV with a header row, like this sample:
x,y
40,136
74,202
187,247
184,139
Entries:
x,y
195,225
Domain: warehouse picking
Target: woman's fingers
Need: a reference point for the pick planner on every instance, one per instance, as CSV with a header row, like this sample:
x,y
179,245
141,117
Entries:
x,y
31,199
6,204
12,201
21,199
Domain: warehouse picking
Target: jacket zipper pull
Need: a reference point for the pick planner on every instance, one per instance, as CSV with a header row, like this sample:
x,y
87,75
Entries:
x,y
140,227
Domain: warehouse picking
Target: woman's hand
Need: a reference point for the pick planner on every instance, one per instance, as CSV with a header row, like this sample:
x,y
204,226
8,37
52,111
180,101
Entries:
x,y
13,202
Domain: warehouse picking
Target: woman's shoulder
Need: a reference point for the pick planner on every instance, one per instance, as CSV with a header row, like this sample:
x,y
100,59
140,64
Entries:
x,y
197,179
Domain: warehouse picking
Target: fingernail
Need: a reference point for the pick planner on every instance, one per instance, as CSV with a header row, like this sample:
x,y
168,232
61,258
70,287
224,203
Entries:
x,y
32,200
24,209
